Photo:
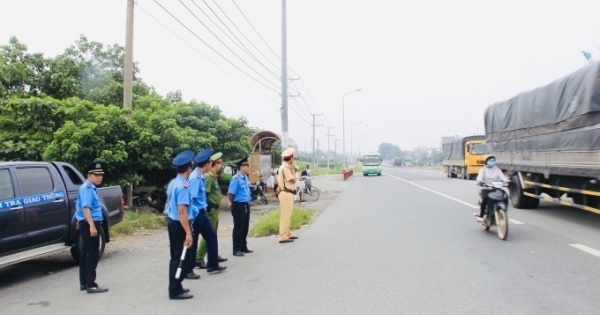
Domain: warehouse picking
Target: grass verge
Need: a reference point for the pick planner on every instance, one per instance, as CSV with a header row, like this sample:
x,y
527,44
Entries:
x,y
269,224
135,221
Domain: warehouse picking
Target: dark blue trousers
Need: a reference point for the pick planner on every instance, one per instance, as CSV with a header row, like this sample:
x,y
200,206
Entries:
x,y
241,222
203,227
176,239
89,255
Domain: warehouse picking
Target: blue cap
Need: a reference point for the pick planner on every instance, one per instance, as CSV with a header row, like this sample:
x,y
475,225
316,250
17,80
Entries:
x,y
184,158
203,156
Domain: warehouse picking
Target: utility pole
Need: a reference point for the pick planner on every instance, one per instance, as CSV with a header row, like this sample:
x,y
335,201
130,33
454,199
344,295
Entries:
x,y
318,149
328,137
128,67
284,92
314,125
335,151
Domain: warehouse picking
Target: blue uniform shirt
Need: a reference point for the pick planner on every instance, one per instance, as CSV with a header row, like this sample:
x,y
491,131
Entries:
x,y
197,191
239,187
87,196
178,193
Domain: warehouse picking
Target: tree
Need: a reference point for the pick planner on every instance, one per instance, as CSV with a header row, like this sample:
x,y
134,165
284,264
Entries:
x,y
389,151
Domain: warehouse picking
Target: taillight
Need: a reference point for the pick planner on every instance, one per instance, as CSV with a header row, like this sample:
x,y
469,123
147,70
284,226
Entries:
x,y
122,204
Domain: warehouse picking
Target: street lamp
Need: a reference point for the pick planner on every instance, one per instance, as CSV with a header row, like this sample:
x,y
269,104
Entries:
x,y
344,123
351,132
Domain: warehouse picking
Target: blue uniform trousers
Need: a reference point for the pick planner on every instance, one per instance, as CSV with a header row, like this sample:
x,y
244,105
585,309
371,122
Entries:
x,y
203,227
89,255
176,239
241,222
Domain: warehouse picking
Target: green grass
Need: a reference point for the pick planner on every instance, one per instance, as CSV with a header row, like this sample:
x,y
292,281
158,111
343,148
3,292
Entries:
x,y
135,221
269,224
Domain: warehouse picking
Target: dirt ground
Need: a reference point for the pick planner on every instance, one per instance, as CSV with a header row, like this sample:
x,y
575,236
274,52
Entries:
x,y
329,185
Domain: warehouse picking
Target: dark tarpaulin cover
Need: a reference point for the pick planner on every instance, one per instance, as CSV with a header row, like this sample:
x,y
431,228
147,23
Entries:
x,y
563,115
454,149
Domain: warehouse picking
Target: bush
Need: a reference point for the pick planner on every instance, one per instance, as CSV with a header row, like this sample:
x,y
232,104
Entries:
x,y
269,224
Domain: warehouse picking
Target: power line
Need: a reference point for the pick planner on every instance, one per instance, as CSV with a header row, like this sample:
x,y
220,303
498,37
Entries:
x,y
255,30
202,54
231,50
237,42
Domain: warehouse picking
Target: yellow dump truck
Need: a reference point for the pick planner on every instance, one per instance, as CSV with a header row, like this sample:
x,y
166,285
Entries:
x,y
464,157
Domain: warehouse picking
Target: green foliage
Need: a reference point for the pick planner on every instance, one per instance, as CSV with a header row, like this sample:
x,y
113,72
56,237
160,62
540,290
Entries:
x,y
269,224
135,221
389,151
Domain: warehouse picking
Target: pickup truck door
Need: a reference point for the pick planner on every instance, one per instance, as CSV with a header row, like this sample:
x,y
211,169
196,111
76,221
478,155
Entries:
x,y
12,219
44,201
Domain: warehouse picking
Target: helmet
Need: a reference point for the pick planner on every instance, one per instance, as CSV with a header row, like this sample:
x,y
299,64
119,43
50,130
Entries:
x,y
489,157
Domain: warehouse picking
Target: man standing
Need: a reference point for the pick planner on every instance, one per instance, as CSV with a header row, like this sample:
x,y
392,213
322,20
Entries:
x,y
180,230
239,197
287,184
199,202
213,193
88,213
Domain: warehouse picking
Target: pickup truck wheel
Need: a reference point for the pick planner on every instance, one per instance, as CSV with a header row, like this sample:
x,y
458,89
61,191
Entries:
x,y
76,249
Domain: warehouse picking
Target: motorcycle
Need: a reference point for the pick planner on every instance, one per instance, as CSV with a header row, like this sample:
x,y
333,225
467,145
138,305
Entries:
x,y
495,213
256,192
158,198
141,199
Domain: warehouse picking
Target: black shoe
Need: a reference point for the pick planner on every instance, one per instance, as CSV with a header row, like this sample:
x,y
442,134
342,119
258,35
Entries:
x,y
186,290
182,296
247,251
293,237
192,276
219,268
221,259
286,241
238,253
82,287
201,264
96,290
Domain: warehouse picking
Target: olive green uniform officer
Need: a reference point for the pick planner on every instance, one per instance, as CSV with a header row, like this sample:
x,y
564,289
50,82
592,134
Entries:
x,y
213,192
286,180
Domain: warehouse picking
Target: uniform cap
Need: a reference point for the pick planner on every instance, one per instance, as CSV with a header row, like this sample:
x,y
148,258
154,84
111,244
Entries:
x,y
203,156
216,156
95,167
184,158
243,161
288,153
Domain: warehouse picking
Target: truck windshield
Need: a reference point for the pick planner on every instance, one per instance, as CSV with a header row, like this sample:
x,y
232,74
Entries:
x,y
480,148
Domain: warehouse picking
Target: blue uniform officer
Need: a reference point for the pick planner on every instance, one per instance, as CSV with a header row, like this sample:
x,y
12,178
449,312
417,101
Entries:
x,y
239,197
88,213
199,203
180,230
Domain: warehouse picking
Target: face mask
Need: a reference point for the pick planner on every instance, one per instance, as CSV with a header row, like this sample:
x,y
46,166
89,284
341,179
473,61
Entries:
x,y
491,163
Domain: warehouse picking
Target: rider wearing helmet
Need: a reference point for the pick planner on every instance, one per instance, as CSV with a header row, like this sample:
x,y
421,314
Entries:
x,y
488,173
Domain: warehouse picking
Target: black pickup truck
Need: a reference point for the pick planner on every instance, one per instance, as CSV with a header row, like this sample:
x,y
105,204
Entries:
x,y
37,206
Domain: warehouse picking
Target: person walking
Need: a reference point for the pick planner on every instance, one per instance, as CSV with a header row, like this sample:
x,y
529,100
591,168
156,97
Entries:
x,y
287,190
239,198
179,226
88,214
199,202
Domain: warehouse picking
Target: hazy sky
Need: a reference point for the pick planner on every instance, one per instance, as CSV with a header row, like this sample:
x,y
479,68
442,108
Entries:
x,y
427,69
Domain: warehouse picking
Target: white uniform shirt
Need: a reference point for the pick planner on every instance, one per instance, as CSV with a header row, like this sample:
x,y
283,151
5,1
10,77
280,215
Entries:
x,y
490,173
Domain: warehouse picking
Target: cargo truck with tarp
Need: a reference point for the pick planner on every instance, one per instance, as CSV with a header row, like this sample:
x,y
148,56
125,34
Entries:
x,y
548,141
464,157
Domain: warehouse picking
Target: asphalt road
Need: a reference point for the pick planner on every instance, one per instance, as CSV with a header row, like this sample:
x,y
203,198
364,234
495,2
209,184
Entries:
x,y
402,243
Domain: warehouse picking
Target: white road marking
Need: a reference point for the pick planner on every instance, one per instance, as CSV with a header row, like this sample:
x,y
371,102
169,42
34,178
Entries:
x,y
446,196
587,249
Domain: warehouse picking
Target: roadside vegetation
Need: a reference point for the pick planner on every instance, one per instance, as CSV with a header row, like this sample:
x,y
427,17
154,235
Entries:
x,y
269,224
139,221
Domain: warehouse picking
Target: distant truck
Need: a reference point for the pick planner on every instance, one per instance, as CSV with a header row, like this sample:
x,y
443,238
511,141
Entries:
x,y
464,157
37,203
397,162
548,141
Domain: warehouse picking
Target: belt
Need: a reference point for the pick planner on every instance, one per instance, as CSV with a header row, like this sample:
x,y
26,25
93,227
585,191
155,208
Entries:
x,y
293,192
244,202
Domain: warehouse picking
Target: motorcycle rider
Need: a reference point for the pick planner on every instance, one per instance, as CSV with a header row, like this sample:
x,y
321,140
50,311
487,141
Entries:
x,y
489,172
